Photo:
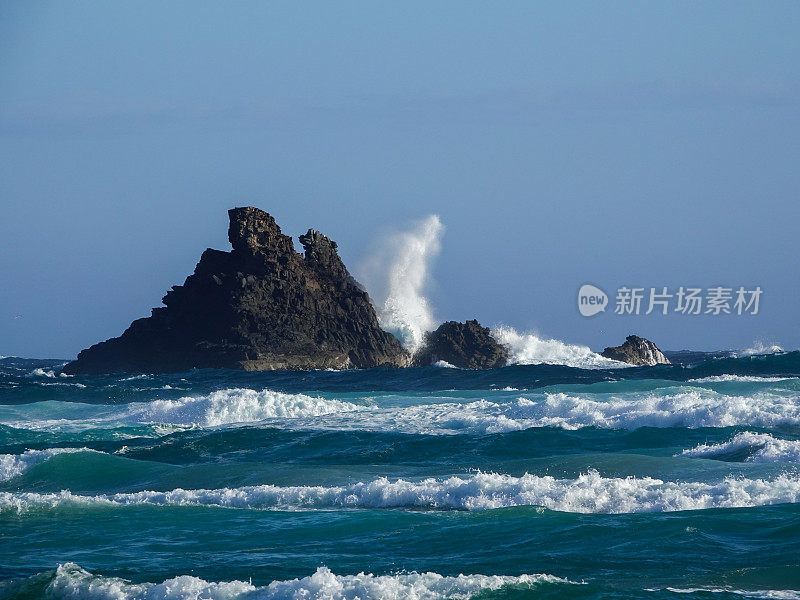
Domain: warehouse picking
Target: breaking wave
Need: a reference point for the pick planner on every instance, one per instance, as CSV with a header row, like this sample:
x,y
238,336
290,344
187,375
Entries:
x,y
72,582
760,594
237,405
679,406
750,447
529,349
589,493
12,465
738,379
692,408
759,348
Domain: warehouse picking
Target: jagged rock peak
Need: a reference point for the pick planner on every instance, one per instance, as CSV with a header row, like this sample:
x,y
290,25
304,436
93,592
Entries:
x,y
637,351
321,253
253,231
466,345
260,306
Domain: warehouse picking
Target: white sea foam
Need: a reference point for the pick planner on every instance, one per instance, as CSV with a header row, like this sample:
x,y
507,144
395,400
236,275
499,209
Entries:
x,y
236,406
12,465
678,406
739,378
765,594
589,493
41,373
530,349
397,276
759,447
675,407
223,407
758,348
72,583
443,364
49,373
693,407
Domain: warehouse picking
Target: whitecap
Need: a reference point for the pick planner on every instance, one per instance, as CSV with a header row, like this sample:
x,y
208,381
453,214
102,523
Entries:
x,y
443,364
677,406
530,349
236,405
589,493
760,348
13,465
73,582
738,378
757,448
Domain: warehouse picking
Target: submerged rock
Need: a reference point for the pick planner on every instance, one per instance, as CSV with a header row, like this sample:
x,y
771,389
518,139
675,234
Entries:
x,y
260,306
466,345
636,351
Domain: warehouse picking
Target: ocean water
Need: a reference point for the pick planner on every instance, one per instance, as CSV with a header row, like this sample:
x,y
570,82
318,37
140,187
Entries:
x,y
532,481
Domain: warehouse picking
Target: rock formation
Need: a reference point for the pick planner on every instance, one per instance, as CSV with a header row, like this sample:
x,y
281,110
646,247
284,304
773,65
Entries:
x,y
636,351
261,306
466,345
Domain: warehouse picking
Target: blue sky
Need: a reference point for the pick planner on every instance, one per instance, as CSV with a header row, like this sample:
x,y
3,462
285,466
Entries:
x,y
626,143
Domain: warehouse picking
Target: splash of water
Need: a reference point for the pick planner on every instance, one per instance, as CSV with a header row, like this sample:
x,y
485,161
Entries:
x,y
397,276
530,349
759,348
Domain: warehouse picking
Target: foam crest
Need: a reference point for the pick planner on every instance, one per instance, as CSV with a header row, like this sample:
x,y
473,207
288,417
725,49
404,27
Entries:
x,y
672,407
677,406
237,405
13,465
762,594
443,364
739,379
750,447
48,373
72,582
529,349
397,276
695,407
759,348
589,493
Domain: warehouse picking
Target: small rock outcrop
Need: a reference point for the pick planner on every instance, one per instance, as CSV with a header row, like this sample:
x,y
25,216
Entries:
x,y
260,306
636,351
466,345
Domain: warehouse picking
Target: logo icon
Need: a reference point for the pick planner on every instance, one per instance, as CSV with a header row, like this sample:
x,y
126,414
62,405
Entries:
x,y
591,300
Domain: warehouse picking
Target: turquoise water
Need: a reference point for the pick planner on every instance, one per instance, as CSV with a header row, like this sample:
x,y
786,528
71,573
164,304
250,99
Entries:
x,y
532,481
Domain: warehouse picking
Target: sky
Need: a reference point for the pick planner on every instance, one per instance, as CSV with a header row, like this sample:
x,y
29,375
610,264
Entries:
x,y
639,144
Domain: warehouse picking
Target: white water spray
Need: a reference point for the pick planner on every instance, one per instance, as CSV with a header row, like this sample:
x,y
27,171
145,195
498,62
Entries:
x,y
530,349
397,277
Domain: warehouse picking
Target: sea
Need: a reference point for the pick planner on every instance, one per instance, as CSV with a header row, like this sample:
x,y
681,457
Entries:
x,y
585,479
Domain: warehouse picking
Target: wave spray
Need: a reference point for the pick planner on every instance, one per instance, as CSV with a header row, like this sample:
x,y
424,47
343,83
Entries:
x,y
397,276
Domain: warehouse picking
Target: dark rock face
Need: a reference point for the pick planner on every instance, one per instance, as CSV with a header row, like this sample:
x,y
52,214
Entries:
x,y
637,351
261,306
466,345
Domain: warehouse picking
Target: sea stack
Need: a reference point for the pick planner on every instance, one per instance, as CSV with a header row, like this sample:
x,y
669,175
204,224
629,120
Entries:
x,y
465,345
260,306
637,351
